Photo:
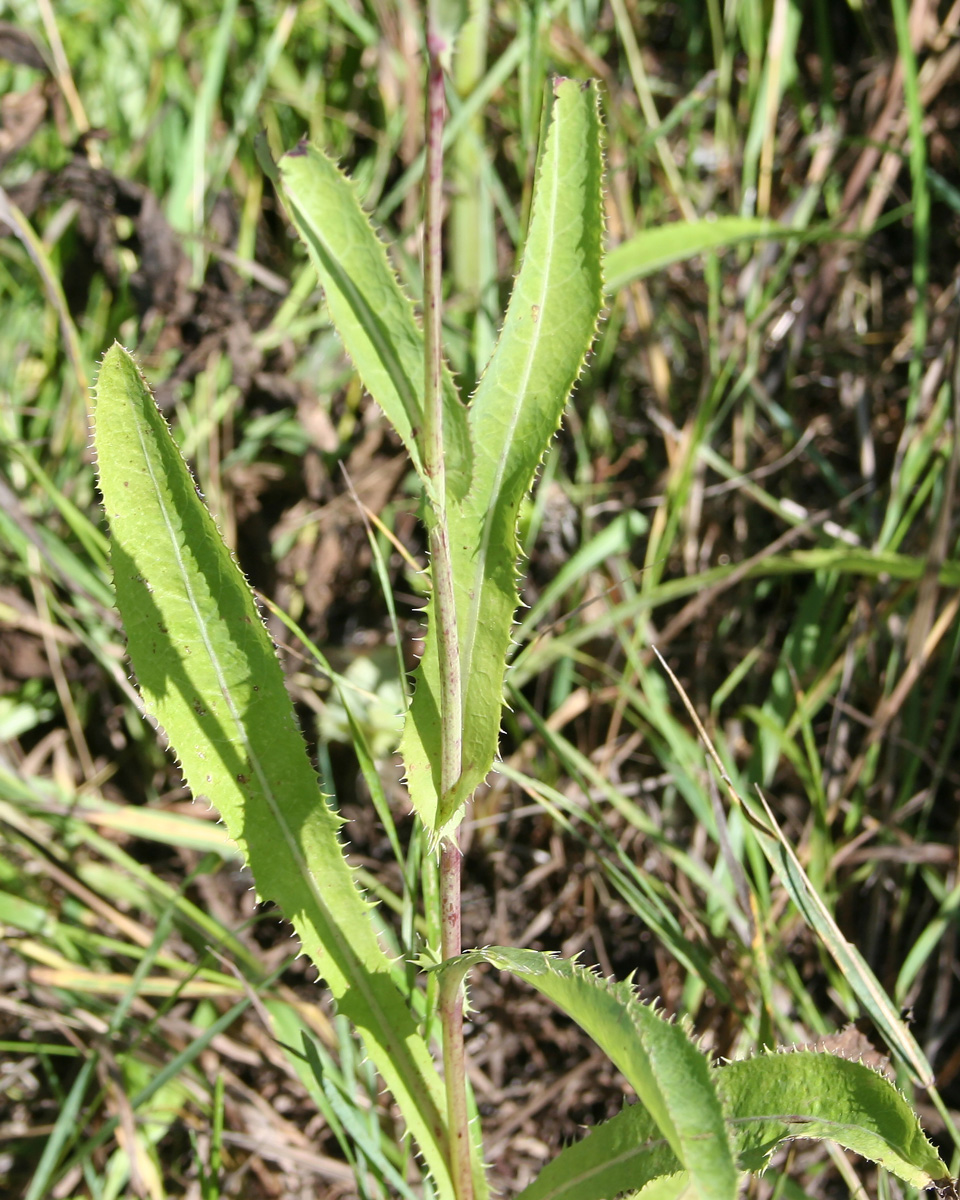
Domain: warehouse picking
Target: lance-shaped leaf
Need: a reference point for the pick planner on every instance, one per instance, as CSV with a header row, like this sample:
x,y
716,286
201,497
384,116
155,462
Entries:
x,y
671,1077
624,1153
767,1101
373,317
209,674
549,327
814,1095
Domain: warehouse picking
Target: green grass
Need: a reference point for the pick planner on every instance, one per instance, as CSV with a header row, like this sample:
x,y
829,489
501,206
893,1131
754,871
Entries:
x,y
758,476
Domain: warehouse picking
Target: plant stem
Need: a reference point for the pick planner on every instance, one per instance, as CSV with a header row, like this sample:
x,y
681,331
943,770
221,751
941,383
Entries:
x,y
445,614
451,1022
445,617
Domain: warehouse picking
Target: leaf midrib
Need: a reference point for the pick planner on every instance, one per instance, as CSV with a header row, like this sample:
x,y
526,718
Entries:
x,y
275,810
406,394
618,1160
476,592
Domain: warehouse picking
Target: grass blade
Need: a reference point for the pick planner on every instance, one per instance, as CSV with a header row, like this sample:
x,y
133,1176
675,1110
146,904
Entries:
x,y
848,958
653,249
63,1131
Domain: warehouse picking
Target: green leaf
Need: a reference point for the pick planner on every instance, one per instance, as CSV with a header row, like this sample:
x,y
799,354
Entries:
x,y
810,1094
857,971
209,674
63,1132
623,1153
516,410
767,1100
653,249
671,1077
447,18
373,317
665,1187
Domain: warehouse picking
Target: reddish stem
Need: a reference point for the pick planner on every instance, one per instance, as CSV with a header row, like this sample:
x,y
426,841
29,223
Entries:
x,y
451,1019
450,1000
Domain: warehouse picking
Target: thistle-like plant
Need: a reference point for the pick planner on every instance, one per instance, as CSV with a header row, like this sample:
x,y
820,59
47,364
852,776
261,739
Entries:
x,y
209,674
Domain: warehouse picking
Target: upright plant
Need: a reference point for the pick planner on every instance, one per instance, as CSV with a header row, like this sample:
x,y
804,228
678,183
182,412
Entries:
x,y
209,674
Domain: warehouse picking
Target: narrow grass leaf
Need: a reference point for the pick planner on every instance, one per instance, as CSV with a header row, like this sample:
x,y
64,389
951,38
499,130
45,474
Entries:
x,y
358,25
93,541
320,1077
26,916
186,199
782,857
22,229
209,674
653,249
373,317
170,1071
210,1181
171,829
43,1048
549,327
848,958
63,1131
252,99
671,1077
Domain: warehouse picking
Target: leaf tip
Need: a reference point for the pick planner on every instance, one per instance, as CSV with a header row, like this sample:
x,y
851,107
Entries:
x,y
300,150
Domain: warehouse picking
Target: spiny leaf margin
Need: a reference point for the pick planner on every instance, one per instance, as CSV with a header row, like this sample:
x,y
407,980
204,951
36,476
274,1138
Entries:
x,y
209,674
549,327
767,1100
373,317
810,1094
671,1076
